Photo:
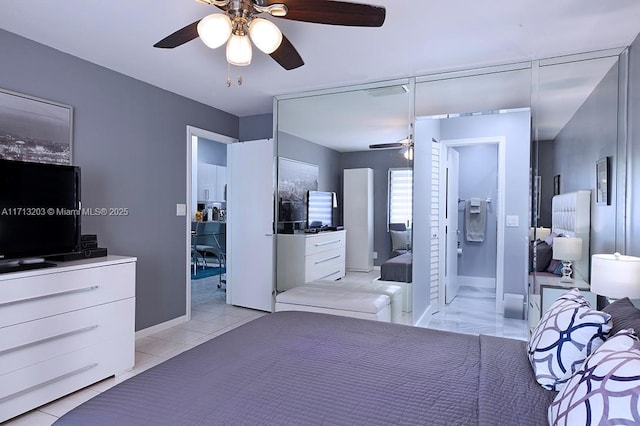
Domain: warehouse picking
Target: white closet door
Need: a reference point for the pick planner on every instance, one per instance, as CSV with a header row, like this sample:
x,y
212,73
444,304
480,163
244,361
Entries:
x,y
250,189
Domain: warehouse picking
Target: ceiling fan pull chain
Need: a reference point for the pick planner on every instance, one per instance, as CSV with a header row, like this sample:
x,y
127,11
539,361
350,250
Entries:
x,y
239,79
228,75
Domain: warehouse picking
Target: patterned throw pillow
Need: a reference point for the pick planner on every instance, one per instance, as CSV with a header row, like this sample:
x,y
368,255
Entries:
x,y
566,335
606,389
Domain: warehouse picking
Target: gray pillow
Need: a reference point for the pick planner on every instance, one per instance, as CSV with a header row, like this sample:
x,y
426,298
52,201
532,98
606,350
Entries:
x,y
399,240
624,315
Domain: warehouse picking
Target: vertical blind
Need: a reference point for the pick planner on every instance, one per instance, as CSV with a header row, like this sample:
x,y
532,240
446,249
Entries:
x,y
400,195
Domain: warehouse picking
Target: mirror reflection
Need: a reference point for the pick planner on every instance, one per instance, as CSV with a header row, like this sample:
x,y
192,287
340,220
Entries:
x,y
576,127
449,179
353,149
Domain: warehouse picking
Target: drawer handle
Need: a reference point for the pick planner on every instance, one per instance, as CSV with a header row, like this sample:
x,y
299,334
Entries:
x,y
327,259
328,275
45,296
48,339
327,243
50,381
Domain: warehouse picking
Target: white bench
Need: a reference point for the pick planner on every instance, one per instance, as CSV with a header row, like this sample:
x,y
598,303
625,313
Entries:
x,y
335,301
395,292
407,292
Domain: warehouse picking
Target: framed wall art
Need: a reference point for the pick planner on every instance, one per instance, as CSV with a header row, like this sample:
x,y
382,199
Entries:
x,y
36,130
603,181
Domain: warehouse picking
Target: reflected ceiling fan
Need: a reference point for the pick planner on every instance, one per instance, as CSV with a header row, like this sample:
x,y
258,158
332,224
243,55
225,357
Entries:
x,y
238,21
405,145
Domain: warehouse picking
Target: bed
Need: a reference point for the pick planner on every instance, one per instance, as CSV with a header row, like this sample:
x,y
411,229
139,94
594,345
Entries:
x,y
310,368
398,271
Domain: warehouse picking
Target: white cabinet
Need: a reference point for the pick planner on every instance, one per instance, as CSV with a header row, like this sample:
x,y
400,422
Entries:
x,y
303,258
358,218
64,328
212,180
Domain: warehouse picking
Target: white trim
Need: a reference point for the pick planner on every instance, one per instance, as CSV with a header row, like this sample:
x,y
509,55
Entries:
x,y
500,203
425,318
480,282
161,327
206,134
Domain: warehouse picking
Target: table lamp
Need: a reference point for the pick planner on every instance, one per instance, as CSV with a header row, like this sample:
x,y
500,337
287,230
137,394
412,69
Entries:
x,y
567,250
615,276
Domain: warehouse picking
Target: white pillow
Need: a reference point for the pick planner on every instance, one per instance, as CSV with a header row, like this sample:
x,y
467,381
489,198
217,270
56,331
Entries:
x,y
567,334
606,388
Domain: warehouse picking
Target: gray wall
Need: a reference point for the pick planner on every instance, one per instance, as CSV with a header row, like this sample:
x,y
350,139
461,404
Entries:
x,y
212,152
516,127
256,127
327,160
478,178
633,197
545,170
380,161
589,136
130,142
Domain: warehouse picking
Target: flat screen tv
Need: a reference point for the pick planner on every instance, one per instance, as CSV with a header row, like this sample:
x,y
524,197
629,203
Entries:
x,y
39,210
319,209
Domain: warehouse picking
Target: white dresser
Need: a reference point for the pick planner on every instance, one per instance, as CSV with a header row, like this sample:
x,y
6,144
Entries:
x,y
303,258
64,328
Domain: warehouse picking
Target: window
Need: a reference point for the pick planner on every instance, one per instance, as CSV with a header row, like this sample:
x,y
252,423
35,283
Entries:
x,y
400,196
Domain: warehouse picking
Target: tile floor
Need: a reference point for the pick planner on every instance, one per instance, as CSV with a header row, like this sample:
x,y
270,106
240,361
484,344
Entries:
x,y
472,312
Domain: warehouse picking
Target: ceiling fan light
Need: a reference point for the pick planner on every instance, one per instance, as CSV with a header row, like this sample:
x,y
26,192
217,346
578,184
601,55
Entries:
x,y
265,35
214,29
239,50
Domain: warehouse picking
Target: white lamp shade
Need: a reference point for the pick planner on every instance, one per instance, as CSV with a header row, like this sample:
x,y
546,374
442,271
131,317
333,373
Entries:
x,y
566,248
214,30
265,35
615,275
239,50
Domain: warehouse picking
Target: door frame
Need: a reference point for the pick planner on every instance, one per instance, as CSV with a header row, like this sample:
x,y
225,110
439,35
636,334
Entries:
x,y
445,144
191,153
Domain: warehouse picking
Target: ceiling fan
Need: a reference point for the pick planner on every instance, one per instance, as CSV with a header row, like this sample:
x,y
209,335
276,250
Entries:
x,y
405,145
406,142
239,20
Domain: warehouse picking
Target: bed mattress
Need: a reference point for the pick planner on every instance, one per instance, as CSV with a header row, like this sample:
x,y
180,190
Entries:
x,y
306,368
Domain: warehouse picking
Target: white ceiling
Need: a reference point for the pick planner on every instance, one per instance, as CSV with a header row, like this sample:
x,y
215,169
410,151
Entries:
x,y
419,37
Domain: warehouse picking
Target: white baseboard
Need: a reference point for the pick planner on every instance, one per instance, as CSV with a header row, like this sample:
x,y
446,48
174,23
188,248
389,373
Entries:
x,y
160,327
424,319
482,282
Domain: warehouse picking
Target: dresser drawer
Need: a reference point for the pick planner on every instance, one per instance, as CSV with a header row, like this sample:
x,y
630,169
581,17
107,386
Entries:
x,y
36,341
30,298
27,388
325,265
324,242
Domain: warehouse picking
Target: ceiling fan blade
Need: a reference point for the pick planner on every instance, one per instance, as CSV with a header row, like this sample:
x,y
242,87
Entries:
x,y
180,37
386,145
287,55
333,12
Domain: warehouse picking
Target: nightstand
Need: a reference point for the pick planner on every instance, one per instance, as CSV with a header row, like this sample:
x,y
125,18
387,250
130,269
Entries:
x,y
550,291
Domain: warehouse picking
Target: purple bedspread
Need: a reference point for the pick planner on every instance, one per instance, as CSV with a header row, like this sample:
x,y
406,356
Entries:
x,y
304,368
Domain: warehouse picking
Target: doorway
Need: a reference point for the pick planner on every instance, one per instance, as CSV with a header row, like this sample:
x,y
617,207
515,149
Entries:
x,y
196,152
471,170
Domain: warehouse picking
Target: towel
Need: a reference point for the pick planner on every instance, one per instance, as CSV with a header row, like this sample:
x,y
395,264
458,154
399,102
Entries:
x,y
475,219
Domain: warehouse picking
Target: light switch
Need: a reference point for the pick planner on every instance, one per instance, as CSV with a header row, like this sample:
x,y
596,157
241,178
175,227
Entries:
x,y
513,221
181,209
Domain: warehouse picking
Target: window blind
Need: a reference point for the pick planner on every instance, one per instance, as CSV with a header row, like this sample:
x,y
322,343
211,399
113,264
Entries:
x,y
400,195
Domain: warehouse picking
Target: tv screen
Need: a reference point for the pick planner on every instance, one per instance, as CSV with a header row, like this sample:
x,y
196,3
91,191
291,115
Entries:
x,y
39,209
319,209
